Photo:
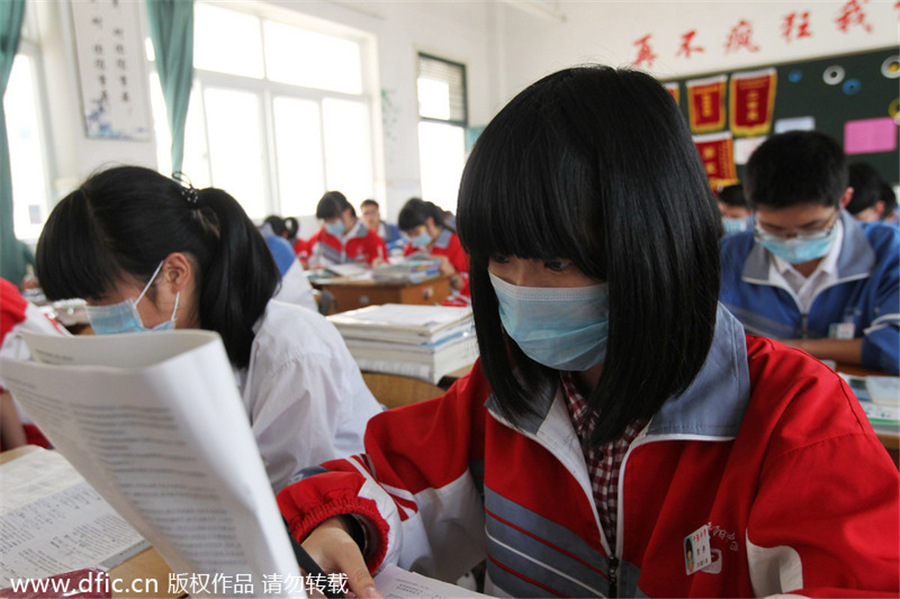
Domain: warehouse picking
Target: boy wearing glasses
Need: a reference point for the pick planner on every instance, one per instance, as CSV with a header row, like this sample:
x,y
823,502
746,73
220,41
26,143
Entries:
x,y
808,274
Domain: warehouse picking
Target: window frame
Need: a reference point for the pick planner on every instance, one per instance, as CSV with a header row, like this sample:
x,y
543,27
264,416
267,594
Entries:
x,y
29,46
267,90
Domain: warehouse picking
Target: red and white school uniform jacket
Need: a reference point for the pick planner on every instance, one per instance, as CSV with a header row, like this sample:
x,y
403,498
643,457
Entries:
x,y
359,244
768,448
446,244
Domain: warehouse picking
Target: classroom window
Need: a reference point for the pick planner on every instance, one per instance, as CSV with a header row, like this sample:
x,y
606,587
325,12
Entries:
x,y
270,127
443,118
26,135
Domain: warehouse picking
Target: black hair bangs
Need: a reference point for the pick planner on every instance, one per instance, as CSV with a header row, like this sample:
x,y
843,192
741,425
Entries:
x,y
514,202
73,256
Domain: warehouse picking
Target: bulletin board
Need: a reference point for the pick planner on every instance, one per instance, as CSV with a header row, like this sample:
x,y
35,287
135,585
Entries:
x,y
853,98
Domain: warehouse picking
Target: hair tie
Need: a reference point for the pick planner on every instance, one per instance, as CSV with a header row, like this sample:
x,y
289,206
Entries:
x,y
190,193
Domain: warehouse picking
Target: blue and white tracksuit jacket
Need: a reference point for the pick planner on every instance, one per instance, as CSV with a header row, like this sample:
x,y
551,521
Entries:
x,y
866,293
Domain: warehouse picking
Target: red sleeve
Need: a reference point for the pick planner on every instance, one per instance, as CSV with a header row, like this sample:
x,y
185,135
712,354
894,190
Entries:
x,y
12,307
457,256
450,437
375,247
301,247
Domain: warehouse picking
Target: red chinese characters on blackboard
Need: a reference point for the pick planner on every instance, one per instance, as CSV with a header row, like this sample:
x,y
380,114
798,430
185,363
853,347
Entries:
x,y
741,36
645,52
686,48
795,26
851,14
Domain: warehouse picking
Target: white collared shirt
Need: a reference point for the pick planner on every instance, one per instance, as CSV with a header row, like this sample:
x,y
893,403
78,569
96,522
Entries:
x,y
805,289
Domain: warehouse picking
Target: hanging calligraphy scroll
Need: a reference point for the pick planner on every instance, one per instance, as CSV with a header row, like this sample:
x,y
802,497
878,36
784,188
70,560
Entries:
x,y
706,104
110,69
751,101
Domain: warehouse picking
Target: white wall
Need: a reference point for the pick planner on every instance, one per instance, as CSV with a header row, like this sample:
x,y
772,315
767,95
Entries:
x,y
457,31
504,48
573,32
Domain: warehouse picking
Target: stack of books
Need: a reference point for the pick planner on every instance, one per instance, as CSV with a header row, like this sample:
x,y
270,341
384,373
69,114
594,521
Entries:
x,y
879,397
408,271
423,342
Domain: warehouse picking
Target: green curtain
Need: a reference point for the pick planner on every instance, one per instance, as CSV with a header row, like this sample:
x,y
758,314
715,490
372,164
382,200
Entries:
x,y
172,32
13,253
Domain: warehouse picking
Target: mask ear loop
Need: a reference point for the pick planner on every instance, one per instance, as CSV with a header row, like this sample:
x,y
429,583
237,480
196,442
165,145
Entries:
x,y
150,282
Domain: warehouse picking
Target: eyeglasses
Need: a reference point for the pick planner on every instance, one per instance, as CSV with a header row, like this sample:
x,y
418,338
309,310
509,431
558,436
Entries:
x,y
816,235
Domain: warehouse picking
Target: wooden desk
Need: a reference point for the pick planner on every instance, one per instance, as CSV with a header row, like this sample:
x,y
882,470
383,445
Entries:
x,y
138,572
351,293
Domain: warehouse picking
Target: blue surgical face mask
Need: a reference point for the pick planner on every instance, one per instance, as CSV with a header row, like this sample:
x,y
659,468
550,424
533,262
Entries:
x,y
336,228
798,251
421,240
734,225
564,328
123,317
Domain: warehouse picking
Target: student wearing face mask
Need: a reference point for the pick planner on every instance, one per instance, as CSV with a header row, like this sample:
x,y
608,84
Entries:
x,y
616,409
423,225
736,215
343,238
809,274
149,254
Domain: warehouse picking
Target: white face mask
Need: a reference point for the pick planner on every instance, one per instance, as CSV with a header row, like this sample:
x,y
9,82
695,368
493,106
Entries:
x,y
123,317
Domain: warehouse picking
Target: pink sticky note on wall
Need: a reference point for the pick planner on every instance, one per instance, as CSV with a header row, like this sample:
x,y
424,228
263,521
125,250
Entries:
x,y
870,135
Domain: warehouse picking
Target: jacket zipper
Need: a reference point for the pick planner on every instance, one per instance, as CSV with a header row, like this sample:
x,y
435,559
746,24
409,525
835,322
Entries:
x,y
613,576
804,325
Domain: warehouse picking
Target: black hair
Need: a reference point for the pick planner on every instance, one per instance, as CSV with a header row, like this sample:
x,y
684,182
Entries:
x,y
889,198
733,195
797,167
125,220
867,187
283,226
292,226
596,165
416,212
332,204
368,202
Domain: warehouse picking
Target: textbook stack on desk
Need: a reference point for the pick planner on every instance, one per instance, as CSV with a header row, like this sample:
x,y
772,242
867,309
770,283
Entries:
x,y
408,271
424,342
879,397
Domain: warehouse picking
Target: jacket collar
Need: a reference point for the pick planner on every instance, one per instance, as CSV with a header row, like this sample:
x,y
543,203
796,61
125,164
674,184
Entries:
x,y
857,258
443,239
712,406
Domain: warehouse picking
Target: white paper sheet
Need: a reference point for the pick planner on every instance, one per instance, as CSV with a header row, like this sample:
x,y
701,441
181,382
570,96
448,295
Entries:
x,y
154,422
394,582
52,521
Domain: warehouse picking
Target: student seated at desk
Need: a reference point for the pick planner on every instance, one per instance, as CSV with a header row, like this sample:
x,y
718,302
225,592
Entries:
x,y
873,199
389,232
809,274
616,409
343,238
736,214
149,254
423,225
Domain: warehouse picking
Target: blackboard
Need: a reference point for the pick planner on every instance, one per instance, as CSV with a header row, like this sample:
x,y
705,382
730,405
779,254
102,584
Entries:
x,y
833,90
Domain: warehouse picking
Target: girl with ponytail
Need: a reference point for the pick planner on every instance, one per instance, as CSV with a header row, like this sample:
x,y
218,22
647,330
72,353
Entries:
x,y
148,253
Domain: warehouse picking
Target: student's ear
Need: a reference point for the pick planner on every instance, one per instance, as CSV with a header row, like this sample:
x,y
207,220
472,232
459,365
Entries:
x,y
178,271
879,209
845,199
